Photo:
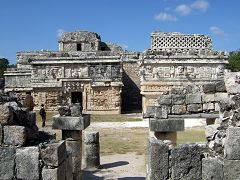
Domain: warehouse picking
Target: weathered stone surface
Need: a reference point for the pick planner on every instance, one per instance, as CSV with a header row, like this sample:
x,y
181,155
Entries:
x,y
58,173
232,144
220,86
91,150
14,135
179,109
53,154
77,163
211,130
166,125
212,168
64,111
158,161
221,96
1,134
209,88
207,98
232,82
150,111
186,162
165,100
208,107
71,135
161,112
195,98
194,108
231,169
71,123
217,107
178,99
69,168
91,137
7,159
76,110
27,163
74,147
6,117
91,162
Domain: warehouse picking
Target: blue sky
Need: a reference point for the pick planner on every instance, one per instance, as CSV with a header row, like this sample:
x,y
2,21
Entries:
x,y
35,25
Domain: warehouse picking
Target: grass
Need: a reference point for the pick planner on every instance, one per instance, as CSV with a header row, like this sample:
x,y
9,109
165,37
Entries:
x,y
190,136
49,116
113,118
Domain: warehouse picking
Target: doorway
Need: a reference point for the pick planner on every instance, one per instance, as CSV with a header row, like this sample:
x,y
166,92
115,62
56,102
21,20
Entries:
x,y
76,97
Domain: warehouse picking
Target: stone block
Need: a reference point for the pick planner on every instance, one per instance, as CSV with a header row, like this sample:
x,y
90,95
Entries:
x,y
186,162
7,162
165,100
212,168
207,98
91,137
179,109
208,107
221,96
211,130
217,107
6,117
53,154
166,125
231,80
1,134
58,173
231,169
91,150
220,86
161,112
69,168
232,144
76,110
91,162
14,135
158,159
150,111
194,108
195,98
74,147
209,88
77,163
27,163
71,135
178,99
71,123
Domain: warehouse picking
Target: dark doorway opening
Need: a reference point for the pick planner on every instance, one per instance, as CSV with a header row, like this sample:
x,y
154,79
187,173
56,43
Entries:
x,y
76,97
79,47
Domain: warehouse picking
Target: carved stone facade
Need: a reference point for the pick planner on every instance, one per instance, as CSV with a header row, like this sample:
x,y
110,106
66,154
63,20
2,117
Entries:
x,y
176,60
84,70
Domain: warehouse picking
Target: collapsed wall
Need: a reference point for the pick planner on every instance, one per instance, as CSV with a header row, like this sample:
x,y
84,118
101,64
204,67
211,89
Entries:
x,y
219,157
27,153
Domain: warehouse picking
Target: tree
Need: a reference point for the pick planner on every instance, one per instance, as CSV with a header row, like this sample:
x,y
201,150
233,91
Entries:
x,y
3,66
234,61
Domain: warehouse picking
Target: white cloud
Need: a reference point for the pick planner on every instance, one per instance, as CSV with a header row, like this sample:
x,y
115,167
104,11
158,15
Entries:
x,y
60,32
183,9
216,31
165,17
201,5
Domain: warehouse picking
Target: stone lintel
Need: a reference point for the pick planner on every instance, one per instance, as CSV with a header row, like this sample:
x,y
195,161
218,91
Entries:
x,y
166,125
71,123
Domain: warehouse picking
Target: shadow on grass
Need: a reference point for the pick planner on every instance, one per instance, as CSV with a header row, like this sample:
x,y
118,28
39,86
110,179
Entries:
x,y
114,164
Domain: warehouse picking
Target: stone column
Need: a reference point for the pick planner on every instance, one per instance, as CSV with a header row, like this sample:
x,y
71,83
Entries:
x,y
72,132
166,129
91,150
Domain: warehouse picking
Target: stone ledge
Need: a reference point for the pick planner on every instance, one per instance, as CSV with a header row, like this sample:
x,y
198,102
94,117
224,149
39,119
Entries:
x,y
71,123
166,125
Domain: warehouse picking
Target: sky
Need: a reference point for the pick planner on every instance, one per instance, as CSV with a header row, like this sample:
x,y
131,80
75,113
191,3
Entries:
x,y
27,25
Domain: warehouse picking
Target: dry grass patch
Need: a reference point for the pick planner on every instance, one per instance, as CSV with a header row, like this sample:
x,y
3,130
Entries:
x,y
191,136
113,118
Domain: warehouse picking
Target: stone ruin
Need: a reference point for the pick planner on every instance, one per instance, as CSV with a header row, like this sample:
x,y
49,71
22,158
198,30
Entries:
x,y
27,153
176,60
219,157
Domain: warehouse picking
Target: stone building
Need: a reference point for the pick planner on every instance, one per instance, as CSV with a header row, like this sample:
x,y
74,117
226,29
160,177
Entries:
x,y
176,60
84,70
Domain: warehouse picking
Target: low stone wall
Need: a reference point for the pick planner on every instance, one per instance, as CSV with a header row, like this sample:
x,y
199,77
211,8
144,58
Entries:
x,y
219,157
